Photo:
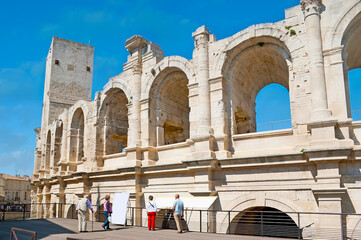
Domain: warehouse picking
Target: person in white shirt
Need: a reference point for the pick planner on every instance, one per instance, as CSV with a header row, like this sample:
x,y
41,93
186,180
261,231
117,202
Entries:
x,y
152,212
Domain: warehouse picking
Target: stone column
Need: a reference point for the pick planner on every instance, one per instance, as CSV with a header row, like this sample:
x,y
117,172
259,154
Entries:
x,y
203,138
37,154
311,9
135,45
201,37
322,124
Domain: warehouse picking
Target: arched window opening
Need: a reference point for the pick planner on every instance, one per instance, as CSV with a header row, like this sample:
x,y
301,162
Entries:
x,y
352,64
171,107
250,70
265,221
77,137
115,122
48,151
273,108
57,144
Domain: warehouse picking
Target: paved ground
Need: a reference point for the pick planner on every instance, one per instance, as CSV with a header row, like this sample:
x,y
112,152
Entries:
x,y
56,229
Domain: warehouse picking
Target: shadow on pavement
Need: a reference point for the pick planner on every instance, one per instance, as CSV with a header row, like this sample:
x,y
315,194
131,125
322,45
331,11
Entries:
x,y
42,227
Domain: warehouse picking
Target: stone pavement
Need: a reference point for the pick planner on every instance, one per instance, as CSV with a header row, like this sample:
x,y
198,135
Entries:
x,y
56,229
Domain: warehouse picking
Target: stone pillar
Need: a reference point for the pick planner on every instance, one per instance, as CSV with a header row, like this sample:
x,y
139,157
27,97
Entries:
x,y
39,201
79,145
63,156
311,9
37,154
203,139
322,125
328,190
338,92
201,37
47,195
61,197
135,45
139,197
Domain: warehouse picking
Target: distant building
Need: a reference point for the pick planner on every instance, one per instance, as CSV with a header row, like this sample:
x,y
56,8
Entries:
x,y
14,189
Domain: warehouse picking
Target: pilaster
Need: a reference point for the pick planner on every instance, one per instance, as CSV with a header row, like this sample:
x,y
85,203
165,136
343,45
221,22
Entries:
x,y
328,190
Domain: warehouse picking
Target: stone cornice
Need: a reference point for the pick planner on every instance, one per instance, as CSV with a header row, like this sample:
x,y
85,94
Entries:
x,y
135,42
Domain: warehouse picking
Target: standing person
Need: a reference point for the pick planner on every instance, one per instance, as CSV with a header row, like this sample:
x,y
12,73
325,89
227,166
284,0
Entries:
x,y
82,207
152,212
178,209
107,212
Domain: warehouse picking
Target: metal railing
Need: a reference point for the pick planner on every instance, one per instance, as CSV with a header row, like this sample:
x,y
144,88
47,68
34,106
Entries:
x,y
296,225
276,125
284,124
356,115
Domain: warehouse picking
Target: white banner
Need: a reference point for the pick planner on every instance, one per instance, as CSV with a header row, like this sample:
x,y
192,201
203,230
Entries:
x,y
120,207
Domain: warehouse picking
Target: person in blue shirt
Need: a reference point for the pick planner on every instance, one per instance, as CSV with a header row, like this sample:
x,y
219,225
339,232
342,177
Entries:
x,y
178,209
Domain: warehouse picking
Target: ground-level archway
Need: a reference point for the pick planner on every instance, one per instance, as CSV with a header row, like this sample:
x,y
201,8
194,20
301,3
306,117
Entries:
x,y
264,221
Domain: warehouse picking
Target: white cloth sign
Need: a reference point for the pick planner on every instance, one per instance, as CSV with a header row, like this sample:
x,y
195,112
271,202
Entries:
x,y
120,207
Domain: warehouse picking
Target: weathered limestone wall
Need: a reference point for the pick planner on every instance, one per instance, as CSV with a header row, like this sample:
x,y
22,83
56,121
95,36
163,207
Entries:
x,y
170,125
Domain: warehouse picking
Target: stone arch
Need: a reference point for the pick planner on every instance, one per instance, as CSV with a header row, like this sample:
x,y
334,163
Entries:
x,y
119,84
86,108
168,62
242,204
250,66
70,211
345,35
169,107
265,221
113,122
333,38
77,127
254,35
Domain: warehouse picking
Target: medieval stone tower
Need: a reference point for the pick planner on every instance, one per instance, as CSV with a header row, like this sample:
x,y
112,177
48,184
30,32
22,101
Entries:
x,y
68,79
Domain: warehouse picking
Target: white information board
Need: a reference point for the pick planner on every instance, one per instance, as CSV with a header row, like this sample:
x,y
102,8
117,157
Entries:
x,y
120,207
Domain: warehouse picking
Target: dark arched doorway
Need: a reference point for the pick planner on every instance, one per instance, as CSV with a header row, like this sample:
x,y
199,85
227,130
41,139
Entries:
x,y
265,221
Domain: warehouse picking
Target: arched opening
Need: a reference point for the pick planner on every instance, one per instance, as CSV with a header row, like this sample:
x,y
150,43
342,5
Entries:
x,y
251,66
48,151
71,212
273,108
57,144
114,122
170,107
265,221
352,67
76,138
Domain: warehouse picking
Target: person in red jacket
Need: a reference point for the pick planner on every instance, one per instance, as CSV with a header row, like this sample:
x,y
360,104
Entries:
x,y
107,212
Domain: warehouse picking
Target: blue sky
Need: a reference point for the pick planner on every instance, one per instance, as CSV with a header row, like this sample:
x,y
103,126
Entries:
x,y
28,26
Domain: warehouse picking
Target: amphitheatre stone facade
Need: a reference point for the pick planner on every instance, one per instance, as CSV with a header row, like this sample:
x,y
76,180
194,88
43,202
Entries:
x,y
170,125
